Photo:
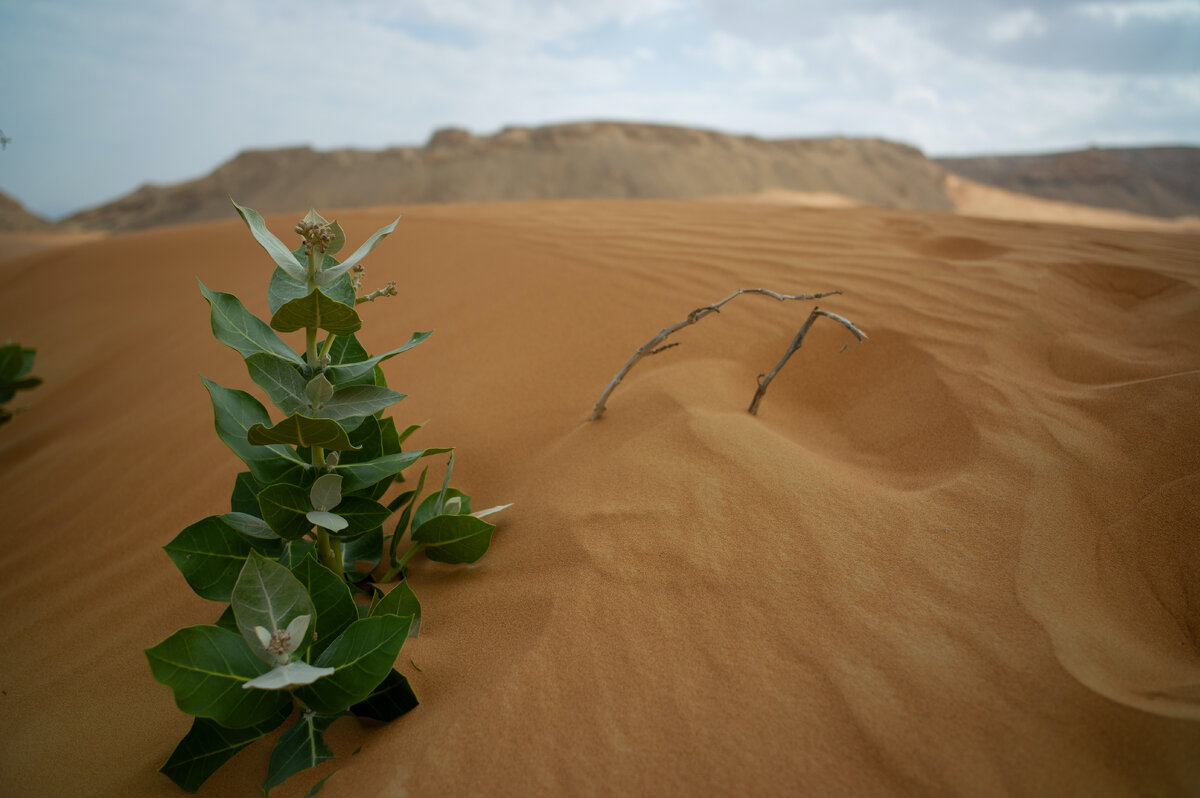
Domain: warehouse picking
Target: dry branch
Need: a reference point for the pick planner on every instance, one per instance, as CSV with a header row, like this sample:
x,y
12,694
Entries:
x,y
655,344
764,380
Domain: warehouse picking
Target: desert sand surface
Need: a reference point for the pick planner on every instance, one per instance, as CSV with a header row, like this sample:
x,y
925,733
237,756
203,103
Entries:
x,y
958,559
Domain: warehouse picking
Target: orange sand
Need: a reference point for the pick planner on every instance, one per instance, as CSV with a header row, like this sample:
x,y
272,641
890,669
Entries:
x,y
960,559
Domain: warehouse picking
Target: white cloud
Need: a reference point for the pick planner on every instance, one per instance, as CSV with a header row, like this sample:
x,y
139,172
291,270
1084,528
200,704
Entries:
x,y
1156,10
1016,25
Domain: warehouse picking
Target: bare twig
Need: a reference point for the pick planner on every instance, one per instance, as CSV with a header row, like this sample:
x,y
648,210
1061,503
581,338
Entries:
x,y
654,345
764,380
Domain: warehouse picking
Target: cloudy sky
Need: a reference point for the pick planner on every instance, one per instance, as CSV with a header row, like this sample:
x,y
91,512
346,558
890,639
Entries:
x,y
100,96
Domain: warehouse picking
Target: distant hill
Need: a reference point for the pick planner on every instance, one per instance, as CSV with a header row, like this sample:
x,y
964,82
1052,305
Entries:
x,y
16,218
1156,181
583,160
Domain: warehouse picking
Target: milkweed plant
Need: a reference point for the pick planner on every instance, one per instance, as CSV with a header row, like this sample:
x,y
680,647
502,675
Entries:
x,y
308,635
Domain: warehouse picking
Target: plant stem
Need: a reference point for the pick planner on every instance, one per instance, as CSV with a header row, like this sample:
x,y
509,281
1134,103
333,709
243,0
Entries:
x,y
328,345
408,555
329,552
310,349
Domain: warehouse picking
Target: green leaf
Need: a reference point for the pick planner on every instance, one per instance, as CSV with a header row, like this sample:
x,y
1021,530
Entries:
x,y
275,248
400,601
362,657
282,381
295,551
391,699
326,492
27,356
208,745
318,391
299,748
362,475
367,436
329,275
11,360
227,621
408,504
320,785
300,430
284,506
283,288
454,538
205,667
267,595
403,436
327,520
357,401
362,515
210,554
250,526
245,492
349,371
234,413
330,597
287,676
316,310
240,329
429,507
366,548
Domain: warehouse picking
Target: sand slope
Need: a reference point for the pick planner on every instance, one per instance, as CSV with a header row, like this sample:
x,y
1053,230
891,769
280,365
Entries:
x,y
959,559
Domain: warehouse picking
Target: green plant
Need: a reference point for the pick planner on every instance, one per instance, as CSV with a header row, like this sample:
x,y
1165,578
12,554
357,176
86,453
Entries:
x,y
306,628
15,364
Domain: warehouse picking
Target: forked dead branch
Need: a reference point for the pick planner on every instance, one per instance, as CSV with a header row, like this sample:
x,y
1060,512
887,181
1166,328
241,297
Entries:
x,y
657,343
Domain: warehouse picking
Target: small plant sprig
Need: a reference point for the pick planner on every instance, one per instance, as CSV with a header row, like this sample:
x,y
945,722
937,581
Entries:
x,y
15,364
305,531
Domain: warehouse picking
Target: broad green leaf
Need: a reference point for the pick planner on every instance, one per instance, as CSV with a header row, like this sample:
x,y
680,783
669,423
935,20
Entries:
x,y
320,785
275,248
329,275
206,666
299,748
300,430
284,677
227,621
283,507
240,329
361,515
245,492
357,401
362,475
11,360
250,526
330,597
409,430
209,554
349,371
400,601
316,310
208,745
318,391
28,356
295,551
367,436
454,538
234,413
362,552
282,381
429,507
362,657
267,595
326,492
326,520
391,699
283,288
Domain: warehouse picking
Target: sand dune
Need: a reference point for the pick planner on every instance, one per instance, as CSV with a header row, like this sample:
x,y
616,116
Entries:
x,y
959,559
